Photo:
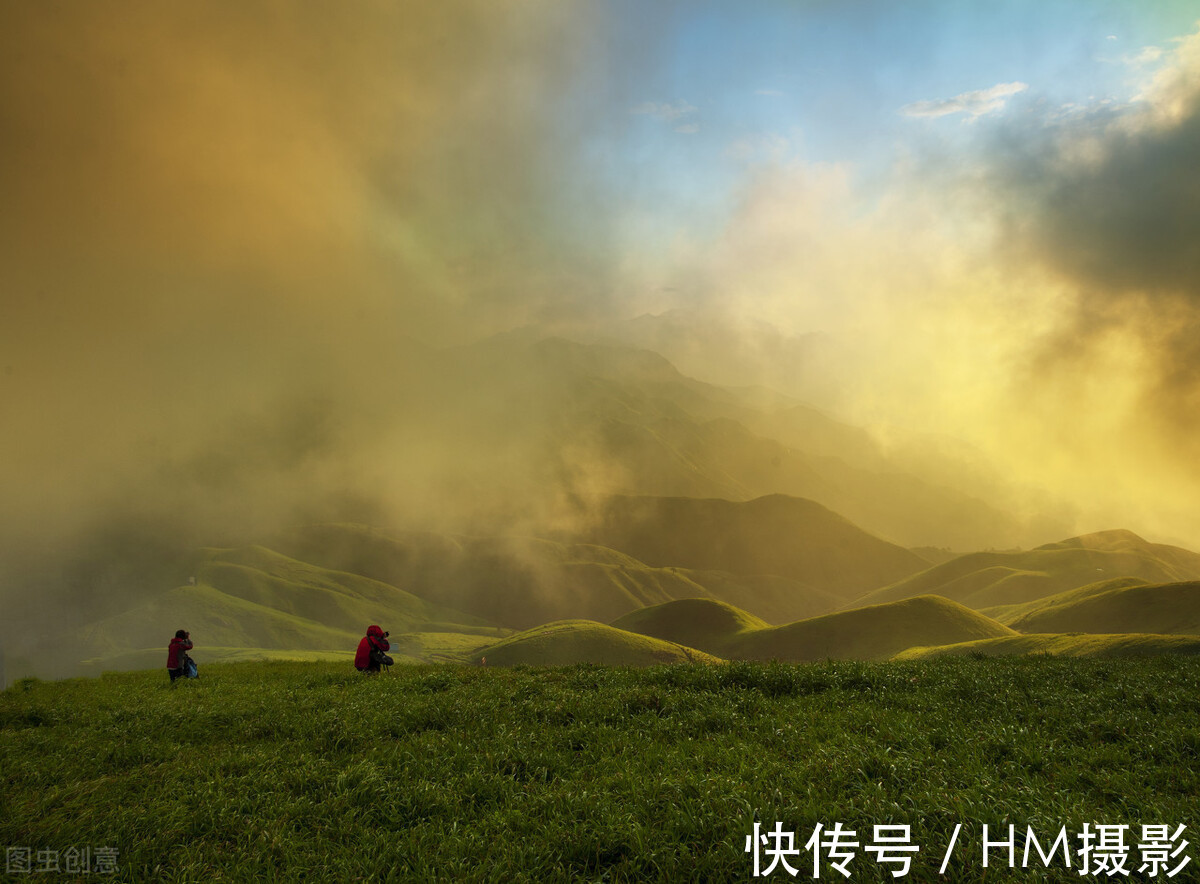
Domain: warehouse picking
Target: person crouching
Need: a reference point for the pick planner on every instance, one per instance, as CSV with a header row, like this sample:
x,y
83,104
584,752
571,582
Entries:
x,y
372,651
177,654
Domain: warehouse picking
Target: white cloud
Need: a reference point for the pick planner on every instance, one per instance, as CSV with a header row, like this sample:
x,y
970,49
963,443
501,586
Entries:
x,y
681,115
1148,56
974,104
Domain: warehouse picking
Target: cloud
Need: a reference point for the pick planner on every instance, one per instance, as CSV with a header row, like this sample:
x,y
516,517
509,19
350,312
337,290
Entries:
x,y
1107,196
681,115
1149,55
1104,201
215,217
1035,292
973,104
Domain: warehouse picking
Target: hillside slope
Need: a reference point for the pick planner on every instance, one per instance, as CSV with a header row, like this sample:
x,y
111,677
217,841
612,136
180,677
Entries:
x,y
1166,609
786,536
1098,646
569,642
988,579
255,598
875,632
704,624
747,441
871,633
521,582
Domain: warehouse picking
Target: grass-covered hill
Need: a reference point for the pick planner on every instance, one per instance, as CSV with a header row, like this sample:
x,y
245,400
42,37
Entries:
x,y
991,579
569,642
786,536
446,597
698,623
875,632
257,600
521,582
1068,645
1114,607
515,581
310,772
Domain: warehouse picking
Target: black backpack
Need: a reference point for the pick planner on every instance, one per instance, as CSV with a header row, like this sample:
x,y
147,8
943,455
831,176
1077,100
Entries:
x,y
378,656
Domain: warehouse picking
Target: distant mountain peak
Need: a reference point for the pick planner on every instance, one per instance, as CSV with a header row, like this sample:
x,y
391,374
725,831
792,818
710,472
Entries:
x,y
1113,538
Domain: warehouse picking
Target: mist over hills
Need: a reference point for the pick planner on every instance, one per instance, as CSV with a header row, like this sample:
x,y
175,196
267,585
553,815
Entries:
x,y
253,597
513,581
525,581
449,597
620,420
780,535
989,579
608,485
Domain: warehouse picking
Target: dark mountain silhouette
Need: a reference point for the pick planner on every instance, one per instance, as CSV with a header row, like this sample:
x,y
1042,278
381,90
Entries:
x,y
786,536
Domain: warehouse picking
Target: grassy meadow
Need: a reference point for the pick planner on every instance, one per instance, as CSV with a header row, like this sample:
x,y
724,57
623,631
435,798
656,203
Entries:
x,y
307,771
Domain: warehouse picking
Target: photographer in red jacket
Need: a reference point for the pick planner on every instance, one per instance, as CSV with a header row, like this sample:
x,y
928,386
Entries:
x,y
177,654
372,650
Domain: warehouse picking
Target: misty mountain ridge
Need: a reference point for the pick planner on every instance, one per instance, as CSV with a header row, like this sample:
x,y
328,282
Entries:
x,y
446,596
666,489
985,580
618,420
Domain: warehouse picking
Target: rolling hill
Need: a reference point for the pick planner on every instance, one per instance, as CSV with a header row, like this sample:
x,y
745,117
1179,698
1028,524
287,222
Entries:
x,y
991,579
254,598
569,642
876,632
521,582
790,537
704,624
872,633
1120,606
1071,645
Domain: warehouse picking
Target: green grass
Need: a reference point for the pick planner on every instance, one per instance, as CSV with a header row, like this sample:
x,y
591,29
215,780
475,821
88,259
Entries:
x,y
294,771
156,658
570,642
875,632
254,598
993,579
1117,606
1066,645
1008,614
705,624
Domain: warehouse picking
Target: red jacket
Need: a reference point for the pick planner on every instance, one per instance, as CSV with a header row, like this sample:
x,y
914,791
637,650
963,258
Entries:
x,y
175,652
373,639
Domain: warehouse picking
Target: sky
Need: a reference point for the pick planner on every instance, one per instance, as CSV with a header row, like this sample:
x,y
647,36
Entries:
x,y
229,226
